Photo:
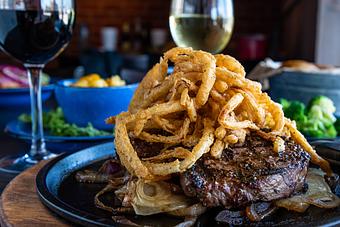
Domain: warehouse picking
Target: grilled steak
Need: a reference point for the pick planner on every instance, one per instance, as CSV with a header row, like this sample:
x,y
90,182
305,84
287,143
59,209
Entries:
x,y
248,173
145,149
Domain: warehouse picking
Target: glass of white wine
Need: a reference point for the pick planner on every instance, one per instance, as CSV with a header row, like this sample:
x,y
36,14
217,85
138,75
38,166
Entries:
x,y
202,24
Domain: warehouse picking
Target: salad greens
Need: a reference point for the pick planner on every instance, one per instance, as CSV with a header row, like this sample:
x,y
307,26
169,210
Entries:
x,y
54,121
315,120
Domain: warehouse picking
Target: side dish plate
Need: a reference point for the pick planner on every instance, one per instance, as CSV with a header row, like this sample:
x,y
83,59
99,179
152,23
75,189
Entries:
x,y
57,144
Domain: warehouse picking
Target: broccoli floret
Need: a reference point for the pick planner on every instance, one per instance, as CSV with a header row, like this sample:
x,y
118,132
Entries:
x,y
321,117
285,104
327,107
331,132
337,125
294,110
311,128
317,120
316,113
316,128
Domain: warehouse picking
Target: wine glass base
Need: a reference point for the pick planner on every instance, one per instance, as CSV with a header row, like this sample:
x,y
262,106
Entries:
x,y
15,164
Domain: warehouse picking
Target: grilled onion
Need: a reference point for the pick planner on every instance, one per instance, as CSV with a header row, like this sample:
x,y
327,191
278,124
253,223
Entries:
x,y
192,211
258,211
155,197
318,194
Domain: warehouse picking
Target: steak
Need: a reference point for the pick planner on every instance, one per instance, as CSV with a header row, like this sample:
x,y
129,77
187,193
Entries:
x,y
248,173
145,149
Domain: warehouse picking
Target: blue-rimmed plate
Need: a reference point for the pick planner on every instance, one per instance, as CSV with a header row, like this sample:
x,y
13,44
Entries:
x,y
56,144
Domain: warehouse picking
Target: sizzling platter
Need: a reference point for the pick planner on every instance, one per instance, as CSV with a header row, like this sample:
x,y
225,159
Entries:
x,y
205,138
59,191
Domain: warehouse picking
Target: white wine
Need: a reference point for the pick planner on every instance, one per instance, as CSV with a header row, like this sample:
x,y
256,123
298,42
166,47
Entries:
x,y
201,32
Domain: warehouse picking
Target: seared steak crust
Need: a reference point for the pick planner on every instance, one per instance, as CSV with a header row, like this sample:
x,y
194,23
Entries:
x,y
248,173
145,149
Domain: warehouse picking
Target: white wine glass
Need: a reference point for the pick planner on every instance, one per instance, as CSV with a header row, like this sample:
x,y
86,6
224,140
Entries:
x,y
202,24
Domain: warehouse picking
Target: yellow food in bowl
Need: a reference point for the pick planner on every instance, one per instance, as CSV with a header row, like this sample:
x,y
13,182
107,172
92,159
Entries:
x,y
94,80
115,81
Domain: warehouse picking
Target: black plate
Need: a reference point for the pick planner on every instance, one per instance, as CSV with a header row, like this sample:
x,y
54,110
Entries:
x,y
74,201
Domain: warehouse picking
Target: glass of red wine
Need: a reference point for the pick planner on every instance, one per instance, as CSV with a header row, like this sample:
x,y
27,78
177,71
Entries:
x,y
34,32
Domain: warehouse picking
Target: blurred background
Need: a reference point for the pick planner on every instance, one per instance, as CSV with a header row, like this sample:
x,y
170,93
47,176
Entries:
x,y
115,43
138,32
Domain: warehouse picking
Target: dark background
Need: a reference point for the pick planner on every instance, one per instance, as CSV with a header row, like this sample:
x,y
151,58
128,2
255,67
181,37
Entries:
x,y
283,30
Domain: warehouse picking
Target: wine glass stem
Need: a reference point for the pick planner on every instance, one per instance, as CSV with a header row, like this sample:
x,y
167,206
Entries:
x,y
38,149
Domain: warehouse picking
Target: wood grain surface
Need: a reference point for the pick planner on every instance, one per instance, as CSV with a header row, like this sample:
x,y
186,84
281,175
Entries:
x,y
20,205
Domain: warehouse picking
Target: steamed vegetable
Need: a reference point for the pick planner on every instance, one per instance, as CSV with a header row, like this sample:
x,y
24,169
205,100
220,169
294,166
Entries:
x,y
326,106
337,125
295,110
317,120
54,121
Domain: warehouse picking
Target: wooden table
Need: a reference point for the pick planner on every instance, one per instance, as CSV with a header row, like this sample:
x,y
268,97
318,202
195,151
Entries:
x,y
20,205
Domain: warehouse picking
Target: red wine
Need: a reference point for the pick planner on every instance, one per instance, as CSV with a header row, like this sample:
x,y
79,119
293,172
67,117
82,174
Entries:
x,y
35,36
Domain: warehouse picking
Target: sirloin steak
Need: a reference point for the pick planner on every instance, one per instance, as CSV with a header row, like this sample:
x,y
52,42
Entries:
x,y
248,173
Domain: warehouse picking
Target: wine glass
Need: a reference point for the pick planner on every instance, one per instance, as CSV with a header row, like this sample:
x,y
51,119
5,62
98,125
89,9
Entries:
x,y
34,32
202,24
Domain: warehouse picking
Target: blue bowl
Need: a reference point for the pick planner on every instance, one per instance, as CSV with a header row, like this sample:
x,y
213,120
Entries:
x,y
94,105
20,97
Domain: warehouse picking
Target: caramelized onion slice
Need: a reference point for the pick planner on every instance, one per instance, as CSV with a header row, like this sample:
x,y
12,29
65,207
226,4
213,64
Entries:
x,y
295,203
258,211
192,211
155,197
318,194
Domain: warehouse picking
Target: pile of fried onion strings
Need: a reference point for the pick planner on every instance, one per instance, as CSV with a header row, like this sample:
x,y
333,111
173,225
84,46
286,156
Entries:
x,y
204,106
